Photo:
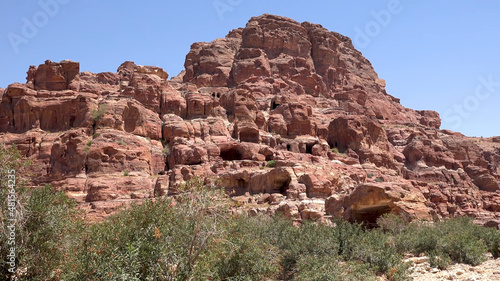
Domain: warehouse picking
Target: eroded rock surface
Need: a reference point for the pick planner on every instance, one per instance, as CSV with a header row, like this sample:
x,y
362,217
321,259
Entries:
x,y
288,117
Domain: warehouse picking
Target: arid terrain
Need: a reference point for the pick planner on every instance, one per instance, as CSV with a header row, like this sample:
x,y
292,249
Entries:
x,y
288,117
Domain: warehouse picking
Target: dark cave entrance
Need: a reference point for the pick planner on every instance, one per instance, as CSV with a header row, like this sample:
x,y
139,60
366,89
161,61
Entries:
x,y
72,121
335,145
283,187
240,188
367,216
274,105
309,148
281,183
231,154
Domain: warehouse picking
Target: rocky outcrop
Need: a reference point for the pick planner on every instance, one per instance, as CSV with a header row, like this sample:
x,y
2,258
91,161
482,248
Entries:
x,y
288,117
53,76
23,109
369,201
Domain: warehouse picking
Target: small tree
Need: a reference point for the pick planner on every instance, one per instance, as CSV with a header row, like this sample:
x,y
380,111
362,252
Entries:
x,y
98,113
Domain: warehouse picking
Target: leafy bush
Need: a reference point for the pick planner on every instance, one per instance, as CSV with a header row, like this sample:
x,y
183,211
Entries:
x,y
328,268
245,254
154,241
439,260
271,163
97,113
47,227
491,238
392,223
166,150
192,236
452,240
46,223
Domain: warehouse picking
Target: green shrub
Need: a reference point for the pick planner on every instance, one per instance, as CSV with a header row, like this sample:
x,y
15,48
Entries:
x,y
244,254
455,240
462,241
439,259
46,222
329,269
97,113
87,146
418,239
491,238
271,163
154,241
126,173
392,223
374,247
47,227
198,239
166,150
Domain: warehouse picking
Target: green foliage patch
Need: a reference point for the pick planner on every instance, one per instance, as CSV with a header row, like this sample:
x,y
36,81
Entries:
x,y
193,236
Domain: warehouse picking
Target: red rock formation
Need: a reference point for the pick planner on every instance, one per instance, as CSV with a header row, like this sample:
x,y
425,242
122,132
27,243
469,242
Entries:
x,y
53,76
287,116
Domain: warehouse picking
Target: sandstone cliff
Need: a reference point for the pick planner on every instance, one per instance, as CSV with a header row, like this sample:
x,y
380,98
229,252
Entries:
x,y
288,117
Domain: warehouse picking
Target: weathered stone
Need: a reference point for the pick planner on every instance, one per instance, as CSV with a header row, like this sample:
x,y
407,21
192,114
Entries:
x,y
287,110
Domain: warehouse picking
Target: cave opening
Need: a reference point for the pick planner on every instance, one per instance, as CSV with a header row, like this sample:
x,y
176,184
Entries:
x,y
269,157
241,183
333,144
288,147
231,154
280,183
274,105
284,186
72,121
239,189
309,148
368,215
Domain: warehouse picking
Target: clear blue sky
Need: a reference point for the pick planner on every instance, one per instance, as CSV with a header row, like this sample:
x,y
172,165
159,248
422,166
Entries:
x,y
435,55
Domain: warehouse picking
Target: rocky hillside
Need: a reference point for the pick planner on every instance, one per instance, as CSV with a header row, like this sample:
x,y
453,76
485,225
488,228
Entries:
x,y
288,117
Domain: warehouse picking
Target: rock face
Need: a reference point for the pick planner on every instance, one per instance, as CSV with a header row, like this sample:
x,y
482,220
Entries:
x,y
53,76
288,117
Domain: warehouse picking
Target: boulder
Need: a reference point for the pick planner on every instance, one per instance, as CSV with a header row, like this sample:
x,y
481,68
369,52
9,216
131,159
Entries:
x,y
53,76
368,202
